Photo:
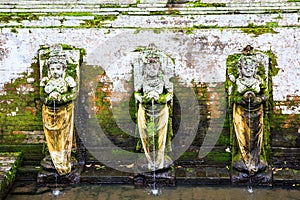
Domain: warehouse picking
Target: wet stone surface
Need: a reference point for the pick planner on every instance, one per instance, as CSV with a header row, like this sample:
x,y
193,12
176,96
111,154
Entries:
x,y
9,162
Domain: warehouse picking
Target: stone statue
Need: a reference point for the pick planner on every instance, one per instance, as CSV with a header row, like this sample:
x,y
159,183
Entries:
x,y
58,90
249,94
154,94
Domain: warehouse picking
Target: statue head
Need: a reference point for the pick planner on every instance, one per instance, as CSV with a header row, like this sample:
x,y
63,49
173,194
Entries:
x,y
248,66
151,62
56,64
153,67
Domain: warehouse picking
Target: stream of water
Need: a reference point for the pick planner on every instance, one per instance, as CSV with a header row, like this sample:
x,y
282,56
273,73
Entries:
x,y
154,190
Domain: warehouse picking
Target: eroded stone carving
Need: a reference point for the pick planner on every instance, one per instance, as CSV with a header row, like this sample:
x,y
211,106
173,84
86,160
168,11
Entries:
x,y
248,94
154,94
59,87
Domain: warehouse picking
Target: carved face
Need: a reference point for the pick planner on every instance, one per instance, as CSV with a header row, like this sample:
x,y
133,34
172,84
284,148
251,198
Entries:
x,y
248,67
152,69
56,70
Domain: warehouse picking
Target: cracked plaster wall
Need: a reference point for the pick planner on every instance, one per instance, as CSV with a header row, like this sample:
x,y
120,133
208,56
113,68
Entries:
x,y
199,57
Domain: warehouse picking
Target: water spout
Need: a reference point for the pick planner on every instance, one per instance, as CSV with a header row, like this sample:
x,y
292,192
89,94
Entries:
x,y
250,189
56,192
154,191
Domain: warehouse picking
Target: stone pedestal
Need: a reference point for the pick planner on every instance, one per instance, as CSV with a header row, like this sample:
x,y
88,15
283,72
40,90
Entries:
x,y
49,175
240,176
163,178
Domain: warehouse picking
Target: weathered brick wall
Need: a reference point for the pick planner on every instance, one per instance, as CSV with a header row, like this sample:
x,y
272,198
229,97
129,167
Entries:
x,y
199,37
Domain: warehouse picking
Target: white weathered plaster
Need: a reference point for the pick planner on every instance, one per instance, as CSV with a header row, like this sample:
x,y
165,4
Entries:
x,y
241,1
200,57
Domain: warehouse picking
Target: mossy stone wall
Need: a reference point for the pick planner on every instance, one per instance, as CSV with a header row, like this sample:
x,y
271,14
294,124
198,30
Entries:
x,y
199,37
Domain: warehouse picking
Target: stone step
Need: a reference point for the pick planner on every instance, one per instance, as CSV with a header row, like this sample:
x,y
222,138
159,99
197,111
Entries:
x,y
263,4
69,2
9,164
94,8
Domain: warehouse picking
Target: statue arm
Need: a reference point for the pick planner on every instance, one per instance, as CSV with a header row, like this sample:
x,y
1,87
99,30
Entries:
x,y
165,98
263,95
44,81
138,96
71,94
44,95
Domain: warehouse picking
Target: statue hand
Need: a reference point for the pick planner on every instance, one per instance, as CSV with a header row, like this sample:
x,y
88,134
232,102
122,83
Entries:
x,y
231,78
249,96
258,100
169,97
153,94
138,97
55,96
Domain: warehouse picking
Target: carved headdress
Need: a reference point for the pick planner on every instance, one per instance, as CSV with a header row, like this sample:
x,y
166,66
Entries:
x,y
247,60
57,55
151,55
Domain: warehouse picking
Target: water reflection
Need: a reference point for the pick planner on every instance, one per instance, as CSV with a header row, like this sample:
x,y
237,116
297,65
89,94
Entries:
x,y
124,192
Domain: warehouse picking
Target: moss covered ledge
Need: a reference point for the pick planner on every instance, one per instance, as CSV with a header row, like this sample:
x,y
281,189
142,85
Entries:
x,y
9,164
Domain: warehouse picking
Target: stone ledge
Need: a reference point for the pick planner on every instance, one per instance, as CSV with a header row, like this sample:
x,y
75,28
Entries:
x,y
9,163
92,8
69,2
145,20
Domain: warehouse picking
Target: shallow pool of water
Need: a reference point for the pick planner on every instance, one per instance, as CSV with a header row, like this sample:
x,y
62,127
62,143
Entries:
x,y
125,192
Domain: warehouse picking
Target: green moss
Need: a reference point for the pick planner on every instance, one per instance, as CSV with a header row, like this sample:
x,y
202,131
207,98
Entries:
x,y
157,31
278,17
224,140
24,104
98,20
18,17
271,24
21,111
200,4
259,30
157,12
189,31
173,12
70,71
14,30
13,138
9,178
189,155
232,63
219,157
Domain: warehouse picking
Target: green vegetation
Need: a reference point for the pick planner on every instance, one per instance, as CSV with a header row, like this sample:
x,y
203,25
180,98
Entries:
x,y
98,20
200,4
219,157
188,155
232,68
20,107
259,30
195,27
18,17
14,30
9,178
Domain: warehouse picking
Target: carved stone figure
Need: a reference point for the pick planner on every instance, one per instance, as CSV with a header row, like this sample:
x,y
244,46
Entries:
x,y
249,94
154,93
248,114
58,90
